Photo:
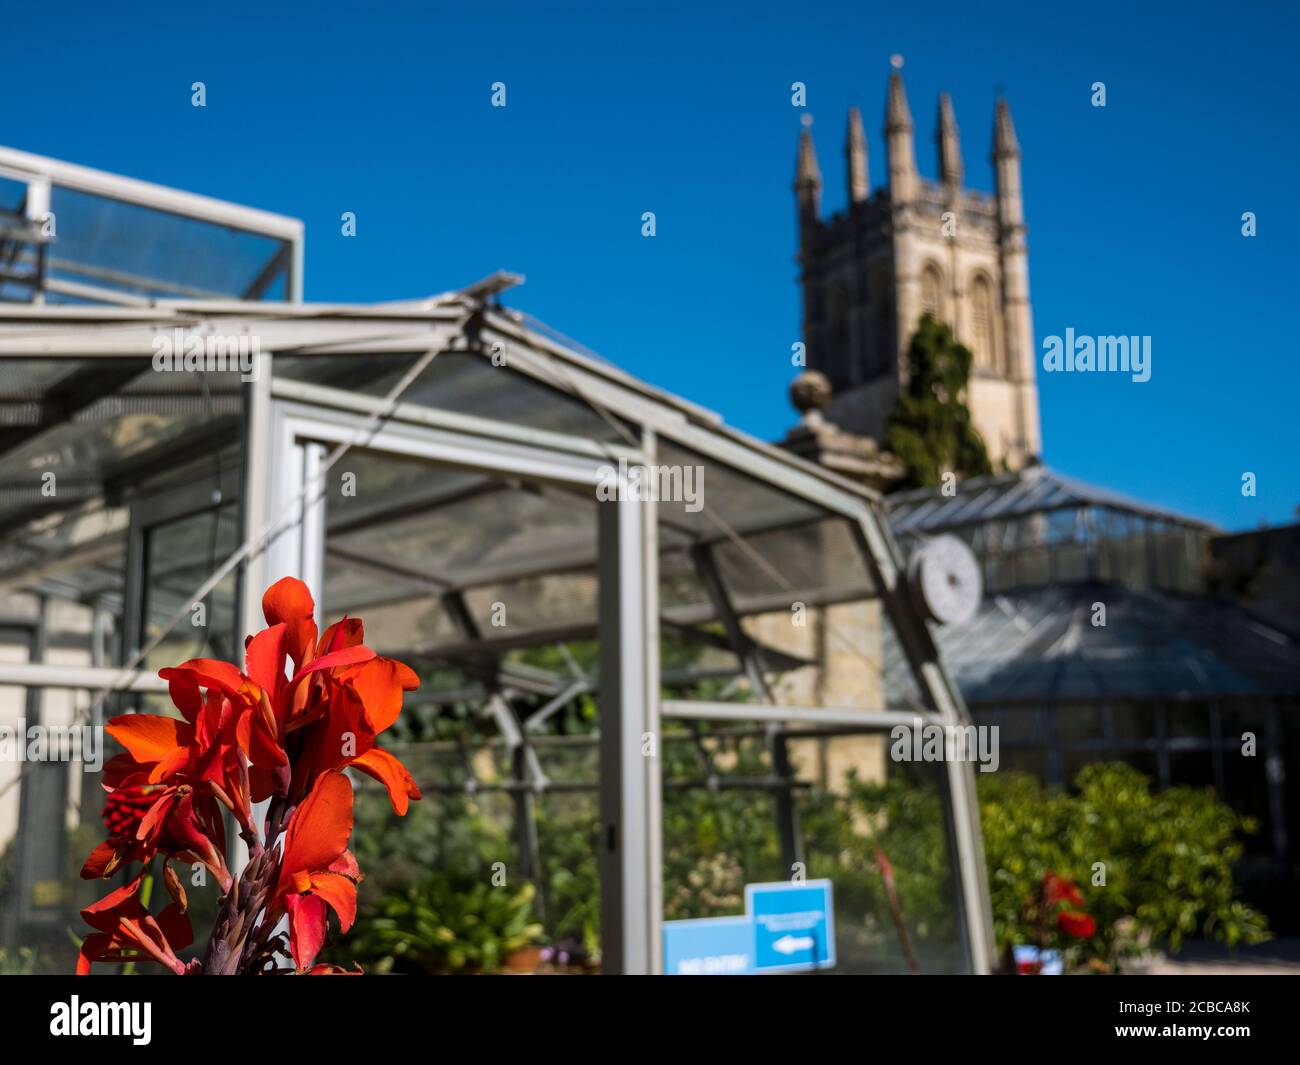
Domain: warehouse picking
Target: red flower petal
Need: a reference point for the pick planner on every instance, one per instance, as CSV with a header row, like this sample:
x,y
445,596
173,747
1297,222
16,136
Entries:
x,y
380,683
289,602
264,658
306,928
149,737
346,632
391,774
340,893
319,829
208,673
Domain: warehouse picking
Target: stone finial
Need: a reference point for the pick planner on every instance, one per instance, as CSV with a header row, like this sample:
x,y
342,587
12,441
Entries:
x,y
810,392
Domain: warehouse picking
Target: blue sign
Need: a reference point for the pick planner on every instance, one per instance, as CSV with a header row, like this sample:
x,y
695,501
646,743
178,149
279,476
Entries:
x,y
794,925
786,927
1031,961
709,946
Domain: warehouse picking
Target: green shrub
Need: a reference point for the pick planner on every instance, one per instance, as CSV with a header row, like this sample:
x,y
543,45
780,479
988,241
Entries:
x,y
21,962
442,925
568,831
1166,857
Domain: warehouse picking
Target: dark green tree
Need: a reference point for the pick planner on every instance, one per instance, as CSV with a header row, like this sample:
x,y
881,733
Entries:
x,y
931,429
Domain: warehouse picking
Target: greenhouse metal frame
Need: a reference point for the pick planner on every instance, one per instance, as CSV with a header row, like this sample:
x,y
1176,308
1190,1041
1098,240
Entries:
x,y
82,367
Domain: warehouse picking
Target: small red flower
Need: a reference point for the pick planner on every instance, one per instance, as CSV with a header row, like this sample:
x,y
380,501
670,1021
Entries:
x,y
1058,889
1076,923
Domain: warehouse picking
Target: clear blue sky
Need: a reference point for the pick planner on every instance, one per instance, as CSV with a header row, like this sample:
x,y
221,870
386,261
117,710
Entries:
x,y
684,109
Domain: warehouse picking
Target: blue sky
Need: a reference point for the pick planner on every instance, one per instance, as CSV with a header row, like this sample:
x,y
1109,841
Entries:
x,y
684,109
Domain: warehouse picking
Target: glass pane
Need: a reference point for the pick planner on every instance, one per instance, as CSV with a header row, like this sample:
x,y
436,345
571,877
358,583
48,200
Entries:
x,y
179,557
722,501
464,383
891,819
148,252
813,563
451,528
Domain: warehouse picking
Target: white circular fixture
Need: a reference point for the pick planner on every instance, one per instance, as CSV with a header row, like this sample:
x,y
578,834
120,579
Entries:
x,y
946,580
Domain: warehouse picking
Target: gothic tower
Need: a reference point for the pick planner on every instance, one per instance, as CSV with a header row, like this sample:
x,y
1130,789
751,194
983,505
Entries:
x,y
870,272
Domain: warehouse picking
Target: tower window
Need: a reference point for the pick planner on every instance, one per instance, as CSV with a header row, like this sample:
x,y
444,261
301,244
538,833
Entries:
x,y
932,292
983,326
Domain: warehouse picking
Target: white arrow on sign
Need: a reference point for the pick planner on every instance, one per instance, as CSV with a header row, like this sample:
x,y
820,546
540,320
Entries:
x,y
789,944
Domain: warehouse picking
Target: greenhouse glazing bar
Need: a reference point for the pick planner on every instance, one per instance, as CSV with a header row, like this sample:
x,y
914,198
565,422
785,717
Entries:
x,y
628,624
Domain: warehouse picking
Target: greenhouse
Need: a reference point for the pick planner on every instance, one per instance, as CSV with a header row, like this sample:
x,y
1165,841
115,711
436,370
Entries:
x,y
638,703
1106,633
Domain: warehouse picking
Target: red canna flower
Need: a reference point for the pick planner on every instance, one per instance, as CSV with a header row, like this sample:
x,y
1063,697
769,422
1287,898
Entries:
x,y
330,713
282,731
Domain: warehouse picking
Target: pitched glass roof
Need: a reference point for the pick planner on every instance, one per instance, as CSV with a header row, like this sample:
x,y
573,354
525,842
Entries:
x,y
1032,490
1041,644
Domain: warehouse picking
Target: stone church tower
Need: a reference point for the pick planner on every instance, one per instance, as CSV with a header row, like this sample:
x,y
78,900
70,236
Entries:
x,y
917,246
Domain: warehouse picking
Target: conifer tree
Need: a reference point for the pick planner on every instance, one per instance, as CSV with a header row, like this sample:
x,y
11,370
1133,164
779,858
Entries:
x,y
930,429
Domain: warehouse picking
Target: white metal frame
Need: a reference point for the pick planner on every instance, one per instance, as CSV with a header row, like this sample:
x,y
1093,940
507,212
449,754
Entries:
x,y
290,426
630,849
40,173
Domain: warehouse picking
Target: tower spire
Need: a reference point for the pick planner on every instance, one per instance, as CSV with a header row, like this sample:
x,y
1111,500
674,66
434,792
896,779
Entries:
x,y
1005,144
899,142
898,116
807,183
855,152
1006,169
946,139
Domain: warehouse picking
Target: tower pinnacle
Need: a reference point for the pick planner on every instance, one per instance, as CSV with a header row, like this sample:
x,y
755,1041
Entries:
x,y
855,152
1005,144
946,139
807,183
899,143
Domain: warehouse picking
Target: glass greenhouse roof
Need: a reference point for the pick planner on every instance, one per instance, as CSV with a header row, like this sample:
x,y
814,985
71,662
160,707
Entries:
x,y
72,235
1034,490
79,399
1041,645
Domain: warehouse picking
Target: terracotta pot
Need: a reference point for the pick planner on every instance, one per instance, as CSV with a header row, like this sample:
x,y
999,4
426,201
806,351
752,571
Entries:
x,y
526,959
